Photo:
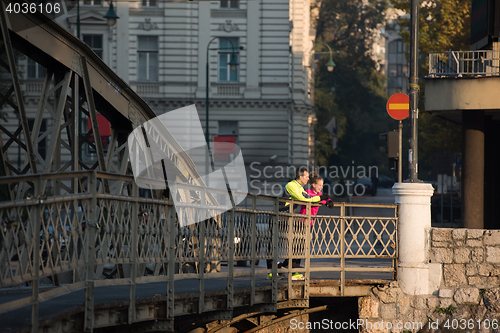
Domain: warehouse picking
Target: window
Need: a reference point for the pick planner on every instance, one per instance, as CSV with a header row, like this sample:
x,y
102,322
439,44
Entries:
x,y
148,58
148,3
226,48
397,67
228,128
229,4
42,144
92,2
95,43
35,70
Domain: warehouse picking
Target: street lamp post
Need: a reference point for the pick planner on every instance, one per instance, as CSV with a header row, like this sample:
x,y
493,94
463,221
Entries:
x,y
78,19
413,91
330,64
233,63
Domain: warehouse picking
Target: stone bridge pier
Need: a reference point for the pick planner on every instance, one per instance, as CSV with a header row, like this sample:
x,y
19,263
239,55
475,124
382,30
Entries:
x,y
448,279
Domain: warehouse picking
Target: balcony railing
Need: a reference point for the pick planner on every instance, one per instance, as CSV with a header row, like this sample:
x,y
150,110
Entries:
x,y
227,89
148,89
33,87
460,63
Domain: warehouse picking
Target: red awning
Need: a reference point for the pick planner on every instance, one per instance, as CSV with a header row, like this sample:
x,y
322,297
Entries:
x,y
104,125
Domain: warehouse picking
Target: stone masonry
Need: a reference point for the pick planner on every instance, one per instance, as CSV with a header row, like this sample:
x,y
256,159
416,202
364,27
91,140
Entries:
x,y
465,291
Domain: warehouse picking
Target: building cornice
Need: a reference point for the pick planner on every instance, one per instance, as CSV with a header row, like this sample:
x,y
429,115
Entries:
x,y
220,103
225,13
146,12
281,104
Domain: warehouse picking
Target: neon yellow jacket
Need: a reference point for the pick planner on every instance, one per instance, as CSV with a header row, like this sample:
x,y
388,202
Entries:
x,y
297,192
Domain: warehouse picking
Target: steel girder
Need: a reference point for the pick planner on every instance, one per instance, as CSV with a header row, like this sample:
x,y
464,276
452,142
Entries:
x,y
77,81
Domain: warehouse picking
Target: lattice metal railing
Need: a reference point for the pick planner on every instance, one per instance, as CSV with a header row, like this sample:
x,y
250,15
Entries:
x,y
459,63
100,238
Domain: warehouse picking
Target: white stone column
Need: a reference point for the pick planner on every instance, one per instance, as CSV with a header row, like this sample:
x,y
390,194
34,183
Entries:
x,y
413,236
253,52
204,37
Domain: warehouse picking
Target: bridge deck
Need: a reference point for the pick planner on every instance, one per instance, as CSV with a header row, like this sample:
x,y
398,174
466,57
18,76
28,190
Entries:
x,y
115,298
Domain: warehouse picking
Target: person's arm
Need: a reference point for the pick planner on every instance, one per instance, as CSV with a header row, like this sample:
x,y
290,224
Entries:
x,y
314,194
297,192
328,202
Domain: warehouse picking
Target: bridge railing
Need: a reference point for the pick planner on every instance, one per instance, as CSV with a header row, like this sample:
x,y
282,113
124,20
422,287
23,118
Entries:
x,y
95,238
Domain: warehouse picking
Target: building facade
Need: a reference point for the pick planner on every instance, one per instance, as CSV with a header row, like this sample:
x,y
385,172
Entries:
x,y
165,50
264,105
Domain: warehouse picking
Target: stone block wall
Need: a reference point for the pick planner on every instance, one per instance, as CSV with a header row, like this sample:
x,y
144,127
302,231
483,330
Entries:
x,y
464,291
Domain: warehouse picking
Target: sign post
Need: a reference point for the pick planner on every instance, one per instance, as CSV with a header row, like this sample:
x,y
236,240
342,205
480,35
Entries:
x,y
398,107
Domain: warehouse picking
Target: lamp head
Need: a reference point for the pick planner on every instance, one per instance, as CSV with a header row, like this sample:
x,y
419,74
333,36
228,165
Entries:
x,y
111,15
330,65
233,64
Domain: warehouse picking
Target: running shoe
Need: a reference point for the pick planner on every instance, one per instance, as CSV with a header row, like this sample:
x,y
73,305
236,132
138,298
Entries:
x,y
270,276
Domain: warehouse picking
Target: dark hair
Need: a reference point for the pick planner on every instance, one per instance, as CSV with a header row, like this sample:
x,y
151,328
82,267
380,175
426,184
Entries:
x,y
315,178
300,172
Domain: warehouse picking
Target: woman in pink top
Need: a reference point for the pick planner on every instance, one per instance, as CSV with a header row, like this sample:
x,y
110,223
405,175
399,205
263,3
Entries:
x,y
316,188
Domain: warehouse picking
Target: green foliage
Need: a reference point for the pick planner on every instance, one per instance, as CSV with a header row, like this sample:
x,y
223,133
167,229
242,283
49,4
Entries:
x,y
481,292
442,25
326,108
354,92
448,310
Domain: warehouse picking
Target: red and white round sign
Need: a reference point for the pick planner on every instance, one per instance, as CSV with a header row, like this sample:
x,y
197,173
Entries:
x,y
398,106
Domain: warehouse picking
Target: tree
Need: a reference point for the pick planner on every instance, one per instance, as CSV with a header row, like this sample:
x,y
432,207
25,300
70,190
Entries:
x,y
326,109
443,25
355,91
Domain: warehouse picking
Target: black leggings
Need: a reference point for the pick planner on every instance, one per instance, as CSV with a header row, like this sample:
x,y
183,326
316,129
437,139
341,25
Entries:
x,y
295,263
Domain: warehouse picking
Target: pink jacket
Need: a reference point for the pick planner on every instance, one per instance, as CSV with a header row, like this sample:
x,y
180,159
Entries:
x,y
314,210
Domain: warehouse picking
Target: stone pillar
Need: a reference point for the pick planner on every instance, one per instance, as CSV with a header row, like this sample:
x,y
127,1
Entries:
x,y
413,236
473,176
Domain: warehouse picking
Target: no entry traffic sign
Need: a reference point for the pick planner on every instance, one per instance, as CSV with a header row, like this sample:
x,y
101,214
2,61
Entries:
x,y
398,106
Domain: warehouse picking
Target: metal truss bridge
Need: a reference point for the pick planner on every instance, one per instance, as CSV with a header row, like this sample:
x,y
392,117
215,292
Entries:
x,y
81,249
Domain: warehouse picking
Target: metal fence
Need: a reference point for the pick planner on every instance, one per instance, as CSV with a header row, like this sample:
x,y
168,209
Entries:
x,y
125,239
460,63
